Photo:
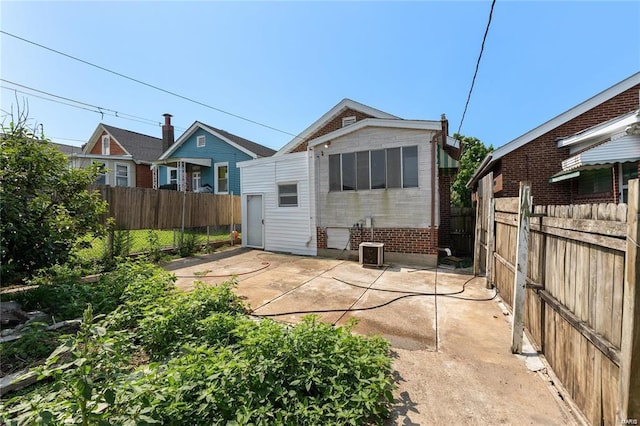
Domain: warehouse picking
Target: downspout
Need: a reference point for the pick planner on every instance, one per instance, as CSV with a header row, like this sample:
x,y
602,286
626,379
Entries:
x,y
434,142
308,159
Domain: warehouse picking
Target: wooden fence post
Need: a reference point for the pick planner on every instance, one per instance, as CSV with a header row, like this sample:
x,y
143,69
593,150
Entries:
x,y
477,243
491,217
629,394
522,253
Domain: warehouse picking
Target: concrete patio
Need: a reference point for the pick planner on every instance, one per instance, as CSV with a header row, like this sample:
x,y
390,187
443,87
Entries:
x,y
452,356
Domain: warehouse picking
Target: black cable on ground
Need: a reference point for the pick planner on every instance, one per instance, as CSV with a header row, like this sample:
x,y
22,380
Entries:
x,y
453,295
361,295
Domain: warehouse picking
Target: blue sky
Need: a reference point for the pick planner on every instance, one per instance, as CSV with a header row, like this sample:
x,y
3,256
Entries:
x,y
284,64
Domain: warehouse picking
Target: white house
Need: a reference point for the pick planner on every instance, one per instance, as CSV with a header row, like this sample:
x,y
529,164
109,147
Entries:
x,y
278,204
359,175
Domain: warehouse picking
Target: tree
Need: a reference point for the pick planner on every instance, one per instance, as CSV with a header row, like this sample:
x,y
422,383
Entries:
x,y
473,152
44,204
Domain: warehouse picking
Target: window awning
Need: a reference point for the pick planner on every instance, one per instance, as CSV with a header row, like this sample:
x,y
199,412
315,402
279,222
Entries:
x,y
445,161
564,175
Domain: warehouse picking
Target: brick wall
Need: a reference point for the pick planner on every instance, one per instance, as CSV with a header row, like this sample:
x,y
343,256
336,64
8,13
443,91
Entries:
x,y
539,159
144,177
444,229
396,240
321,237
114,148
331,126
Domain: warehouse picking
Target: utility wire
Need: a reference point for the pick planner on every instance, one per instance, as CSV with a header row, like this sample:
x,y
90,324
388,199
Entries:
x,y
85,106
117,113
186,98
473,81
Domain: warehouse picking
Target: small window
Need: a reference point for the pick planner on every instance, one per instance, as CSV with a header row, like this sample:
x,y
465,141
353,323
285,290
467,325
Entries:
x,y
629,171
394,172
595,181
335,183
105,145
222,178
196,180
347,121
122,175
378,169
288,195
200,141
101,178
172,175
349,171
410,167
362,166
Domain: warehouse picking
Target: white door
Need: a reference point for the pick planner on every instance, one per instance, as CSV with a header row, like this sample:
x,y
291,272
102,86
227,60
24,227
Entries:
x,y
255,221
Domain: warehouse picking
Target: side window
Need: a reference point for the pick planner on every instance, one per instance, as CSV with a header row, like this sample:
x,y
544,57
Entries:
x,y
222,178
122,175
101,179
288,195
335,183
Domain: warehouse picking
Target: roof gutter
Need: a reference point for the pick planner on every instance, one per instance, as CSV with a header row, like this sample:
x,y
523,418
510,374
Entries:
x,y
481,168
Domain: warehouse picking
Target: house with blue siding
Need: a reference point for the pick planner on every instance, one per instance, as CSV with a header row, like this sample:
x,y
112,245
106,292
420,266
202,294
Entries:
x,y
204,159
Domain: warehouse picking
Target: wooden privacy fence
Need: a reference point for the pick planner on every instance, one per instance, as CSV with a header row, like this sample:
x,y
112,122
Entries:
x,y
462,229
143,208
582,299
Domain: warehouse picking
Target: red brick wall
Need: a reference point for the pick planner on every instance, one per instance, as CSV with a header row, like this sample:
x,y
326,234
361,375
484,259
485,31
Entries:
x,y
538,160
331,126
114,148
144,177
396,240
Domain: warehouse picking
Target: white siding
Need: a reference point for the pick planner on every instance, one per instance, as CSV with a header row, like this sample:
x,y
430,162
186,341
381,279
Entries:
x,y
389,208
287,229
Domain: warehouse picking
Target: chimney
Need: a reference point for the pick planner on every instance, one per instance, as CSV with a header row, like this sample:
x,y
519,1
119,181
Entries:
x,y
445,128
167,133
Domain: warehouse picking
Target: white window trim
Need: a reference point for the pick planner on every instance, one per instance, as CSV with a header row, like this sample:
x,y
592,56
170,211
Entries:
x,y
347,121
201,141
280,206
106,146
194,174
115,174
105,172
216,166
169,170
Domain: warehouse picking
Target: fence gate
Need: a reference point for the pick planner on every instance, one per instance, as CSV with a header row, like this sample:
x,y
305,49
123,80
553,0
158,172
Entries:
x,y
484,228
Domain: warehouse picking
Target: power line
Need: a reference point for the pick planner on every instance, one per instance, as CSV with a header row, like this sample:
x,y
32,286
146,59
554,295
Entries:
x,y
84,106
99,108
186,98
473,81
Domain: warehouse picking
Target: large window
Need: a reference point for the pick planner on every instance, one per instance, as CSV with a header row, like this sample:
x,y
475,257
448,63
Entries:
x,y
595,181
122,175
377,169
222,178
288,195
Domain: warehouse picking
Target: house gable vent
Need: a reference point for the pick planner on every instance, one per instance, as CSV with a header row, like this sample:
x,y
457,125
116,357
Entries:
x,y
346,121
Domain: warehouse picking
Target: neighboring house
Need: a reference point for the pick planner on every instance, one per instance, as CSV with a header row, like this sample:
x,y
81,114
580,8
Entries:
x,y
560,159
204,159
125,156
369,177
67,150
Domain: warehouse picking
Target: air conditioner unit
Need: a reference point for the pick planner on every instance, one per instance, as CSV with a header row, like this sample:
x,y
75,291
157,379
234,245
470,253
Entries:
x,y
372,253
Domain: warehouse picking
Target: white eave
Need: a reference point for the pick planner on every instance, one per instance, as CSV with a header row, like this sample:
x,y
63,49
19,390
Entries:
x,y
205,162
272,159
377,122
608,129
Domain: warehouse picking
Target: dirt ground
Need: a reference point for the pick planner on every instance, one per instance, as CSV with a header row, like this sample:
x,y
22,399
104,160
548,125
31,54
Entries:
x,y
452,355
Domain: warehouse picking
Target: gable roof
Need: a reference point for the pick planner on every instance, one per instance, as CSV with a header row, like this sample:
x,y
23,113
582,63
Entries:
x,y
142,148
328,116
556,121
378,122
253,149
